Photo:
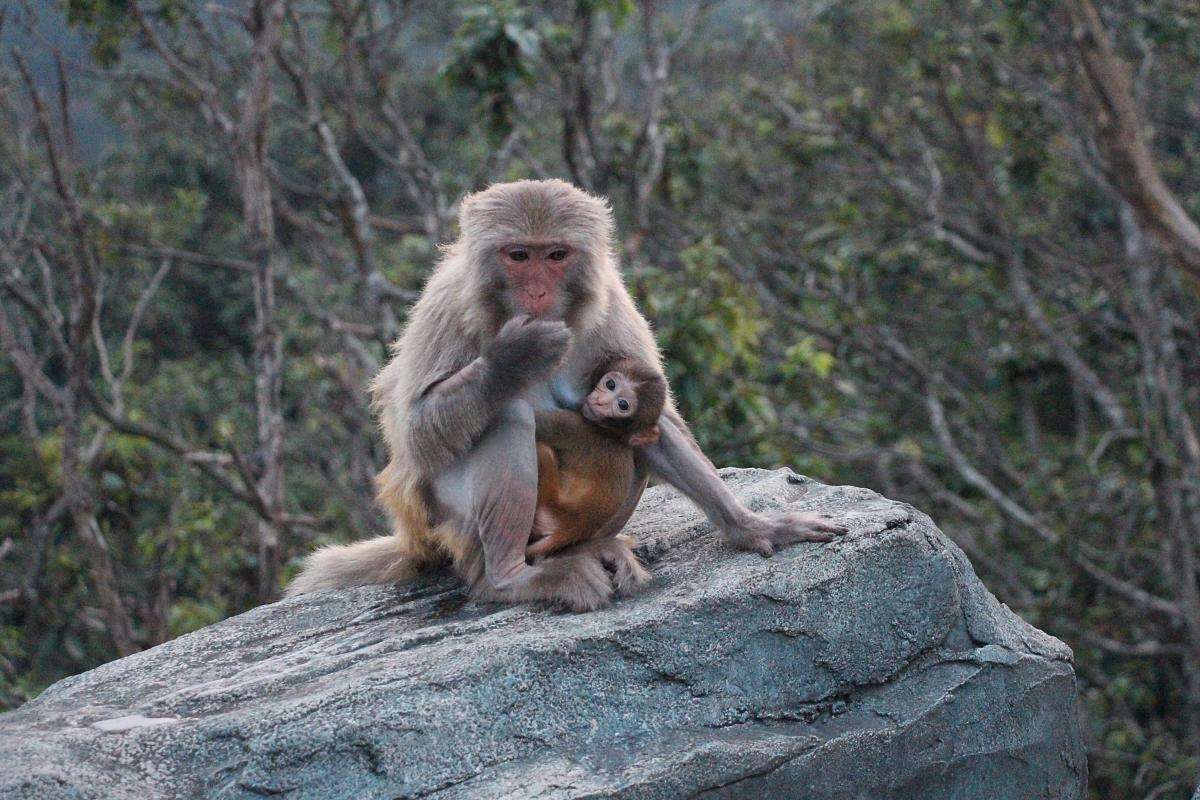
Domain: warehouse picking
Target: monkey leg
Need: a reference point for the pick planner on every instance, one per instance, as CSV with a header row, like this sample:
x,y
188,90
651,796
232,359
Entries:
x,y
584,518
491,492
678,460
641,478
548,489
548,484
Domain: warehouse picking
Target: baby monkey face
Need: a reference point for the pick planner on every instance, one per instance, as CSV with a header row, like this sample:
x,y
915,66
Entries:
x,y
614,398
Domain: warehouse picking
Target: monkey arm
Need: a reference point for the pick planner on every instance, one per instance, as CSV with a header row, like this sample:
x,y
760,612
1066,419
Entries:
x,y
559,426
678,460
453,411
450,415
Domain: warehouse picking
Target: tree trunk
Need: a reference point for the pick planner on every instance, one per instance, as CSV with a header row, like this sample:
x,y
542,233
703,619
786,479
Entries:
x,y
250,146
268,382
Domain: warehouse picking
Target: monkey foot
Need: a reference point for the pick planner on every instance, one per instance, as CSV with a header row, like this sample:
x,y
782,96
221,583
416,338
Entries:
x,y
578,582
765,535
581,582
617,556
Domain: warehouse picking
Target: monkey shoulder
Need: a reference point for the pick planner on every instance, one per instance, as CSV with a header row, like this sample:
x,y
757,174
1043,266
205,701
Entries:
x,y
625,332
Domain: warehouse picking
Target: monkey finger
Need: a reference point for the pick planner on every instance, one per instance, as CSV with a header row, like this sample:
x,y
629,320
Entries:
x,y
587,585
519,321
814,523
552,330
617,555
825,522
755,544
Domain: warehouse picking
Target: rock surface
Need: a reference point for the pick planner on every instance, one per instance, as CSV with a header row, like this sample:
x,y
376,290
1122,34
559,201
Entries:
x,y
874,667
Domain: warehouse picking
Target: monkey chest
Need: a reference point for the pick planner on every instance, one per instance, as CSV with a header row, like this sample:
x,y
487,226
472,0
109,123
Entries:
x,y
565,389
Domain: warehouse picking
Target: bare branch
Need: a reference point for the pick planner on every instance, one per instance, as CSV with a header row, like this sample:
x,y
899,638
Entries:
x,y
200,87
1120,128
1084,375
135,319
187,256
25,362
1125,589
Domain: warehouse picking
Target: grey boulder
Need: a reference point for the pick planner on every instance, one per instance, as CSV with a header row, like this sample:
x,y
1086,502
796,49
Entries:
x,y
875,667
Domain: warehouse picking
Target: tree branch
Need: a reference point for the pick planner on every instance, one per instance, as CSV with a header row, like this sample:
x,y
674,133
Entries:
x,y
1120,129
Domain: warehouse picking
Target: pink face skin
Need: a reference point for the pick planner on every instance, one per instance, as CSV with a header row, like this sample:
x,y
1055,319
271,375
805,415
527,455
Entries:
x,y
615,397
535,271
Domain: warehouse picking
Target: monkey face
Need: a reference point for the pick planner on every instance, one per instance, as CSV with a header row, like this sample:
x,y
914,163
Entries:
x,y
535,273
614,399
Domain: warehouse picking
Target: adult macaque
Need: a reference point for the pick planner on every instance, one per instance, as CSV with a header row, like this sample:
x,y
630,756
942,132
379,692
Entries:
x,y
585,458
518,314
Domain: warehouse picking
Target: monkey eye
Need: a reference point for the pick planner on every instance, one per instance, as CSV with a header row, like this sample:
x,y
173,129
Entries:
x,y
519,254
610,384
557,254
623,405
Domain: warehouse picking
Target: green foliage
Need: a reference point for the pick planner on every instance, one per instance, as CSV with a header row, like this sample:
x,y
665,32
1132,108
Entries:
x,y
110,23
709,329
491,54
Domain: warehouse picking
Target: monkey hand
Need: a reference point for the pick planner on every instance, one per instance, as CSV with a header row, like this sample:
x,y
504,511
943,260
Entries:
x,y
525,351
765,535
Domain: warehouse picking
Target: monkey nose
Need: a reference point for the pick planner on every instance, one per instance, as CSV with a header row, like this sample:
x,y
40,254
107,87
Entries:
x,y
536,301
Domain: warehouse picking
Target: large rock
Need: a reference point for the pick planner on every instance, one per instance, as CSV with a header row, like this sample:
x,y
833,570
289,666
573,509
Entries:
x,y
874,667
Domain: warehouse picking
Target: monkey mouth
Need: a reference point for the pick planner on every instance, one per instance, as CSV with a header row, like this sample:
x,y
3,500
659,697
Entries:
x,y
588,413
538,309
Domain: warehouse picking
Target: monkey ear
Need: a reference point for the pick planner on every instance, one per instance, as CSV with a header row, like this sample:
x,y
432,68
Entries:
x,y
643,438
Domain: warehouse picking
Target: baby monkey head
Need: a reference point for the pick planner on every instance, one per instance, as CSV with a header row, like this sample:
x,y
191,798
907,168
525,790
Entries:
x,y
627,399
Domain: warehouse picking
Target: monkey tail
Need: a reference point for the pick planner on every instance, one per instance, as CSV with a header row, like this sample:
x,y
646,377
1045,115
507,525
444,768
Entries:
x,y
384,559
378,560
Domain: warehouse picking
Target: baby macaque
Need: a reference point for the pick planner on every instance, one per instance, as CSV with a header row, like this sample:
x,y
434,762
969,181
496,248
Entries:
x,y
585,458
